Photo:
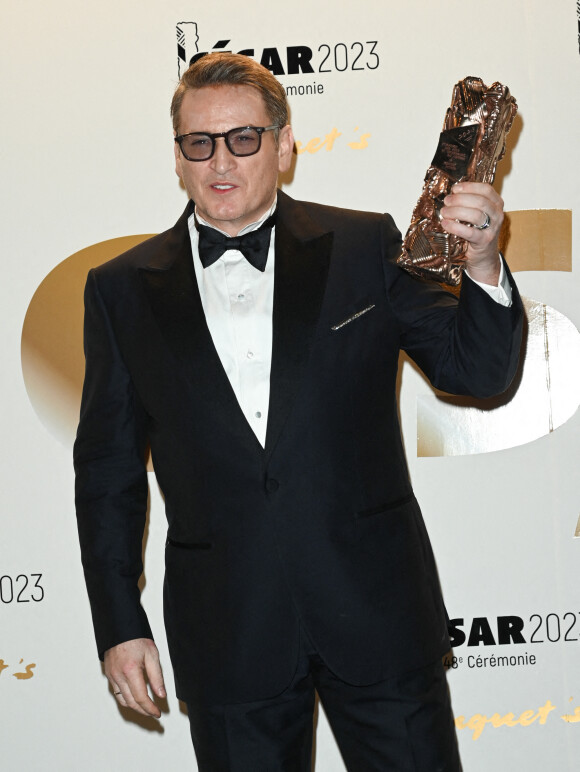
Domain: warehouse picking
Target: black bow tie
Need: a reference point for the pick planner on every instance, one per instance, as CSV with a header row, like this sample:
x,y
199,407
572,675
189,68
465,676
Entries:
x,y
253,246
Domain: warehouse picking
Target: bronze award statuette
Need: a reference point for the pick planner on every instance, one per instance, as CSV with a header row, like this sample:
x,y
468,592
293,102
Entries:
x,y
470,146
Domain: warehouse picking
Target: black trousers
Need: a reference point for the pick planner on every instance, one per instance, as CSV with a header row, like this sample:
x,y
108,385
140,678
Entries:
x,y
403,724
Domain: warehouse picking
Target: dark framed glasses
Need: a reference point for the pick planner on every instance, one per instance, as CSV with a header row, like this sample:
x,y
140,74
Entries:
x,y
243,141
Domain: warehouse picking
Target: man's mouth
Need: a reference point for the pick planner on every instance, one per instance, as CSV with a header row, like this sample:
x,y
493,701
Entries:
x,y
223,187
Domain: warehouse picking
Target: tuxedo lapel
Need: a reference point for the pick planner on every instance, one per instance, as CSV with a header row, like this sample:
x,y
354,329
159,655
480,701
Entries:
x,y
170,283
302,260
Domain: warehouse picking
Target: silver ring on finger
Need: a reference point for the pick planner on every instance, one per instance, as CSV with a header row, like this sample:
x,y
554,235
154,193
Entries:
x,y
486,224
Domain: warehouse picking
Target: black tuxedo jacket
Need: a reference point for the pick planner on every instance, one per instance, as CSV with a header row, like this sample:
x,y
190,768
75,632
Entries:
x,y
320,527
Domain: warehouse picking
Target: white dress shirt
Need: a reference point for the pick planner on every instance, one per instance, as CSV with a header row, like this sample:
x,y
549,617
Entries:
x,y
502,294
238,301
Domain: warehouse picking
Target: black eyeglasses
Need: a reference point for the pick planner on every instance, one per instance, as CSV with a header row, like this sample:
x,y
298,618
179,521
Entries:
x,y
244,141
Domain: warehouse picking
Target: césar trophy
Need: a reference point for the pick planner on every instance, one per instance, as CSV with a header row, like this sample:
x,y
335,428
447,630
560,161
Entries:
x,y
470,146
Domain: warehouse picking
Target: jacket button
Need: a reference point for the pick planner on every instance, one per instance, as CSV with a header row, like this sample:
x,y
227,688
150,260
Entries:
x,y
272,485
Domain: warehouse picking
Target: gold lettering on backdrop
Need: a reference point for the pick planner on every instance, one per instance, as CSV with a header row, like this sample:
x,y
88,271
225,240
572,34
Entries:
x,y
362,143
572,718
27,671
330,138
21,675
527,718
315,144
478,721
312,146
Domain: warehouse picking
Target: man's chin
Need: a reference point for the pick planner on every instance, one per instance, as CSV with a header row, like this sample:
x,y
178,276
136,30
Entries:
x,y
225,219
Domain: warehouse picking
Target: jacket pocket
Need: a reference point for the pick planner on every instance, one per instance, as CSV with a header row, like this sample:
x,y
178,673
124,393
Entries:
x,y
192,545
384,508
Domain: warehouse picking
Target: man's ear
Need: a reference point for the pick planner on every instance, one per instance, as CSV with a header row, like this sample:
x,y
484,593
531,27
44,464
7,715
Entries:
x,y
285,148
178,158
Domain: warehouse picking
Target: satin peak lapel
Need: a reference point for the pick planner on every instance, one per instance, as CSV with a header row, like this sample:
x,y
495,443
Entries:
x,y
302,261
173,294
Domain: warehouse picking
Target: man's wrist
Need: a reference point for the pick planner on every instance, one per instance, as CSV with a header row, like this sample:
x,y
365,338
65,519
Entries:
x,y
501,292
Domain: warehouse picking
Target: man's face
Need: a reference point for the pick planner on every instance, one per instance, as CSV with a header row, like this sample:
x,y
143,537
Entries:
x,y
231,192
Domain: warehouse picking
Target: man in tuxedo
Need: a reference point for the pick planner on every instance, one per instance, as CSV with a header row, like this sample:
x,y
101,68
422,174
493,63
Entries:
x,y
254,346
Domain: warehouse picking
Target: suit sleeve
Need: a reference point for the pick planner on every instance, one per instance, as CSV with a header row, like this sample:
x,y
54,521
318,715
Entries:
x,y
468,345
111,482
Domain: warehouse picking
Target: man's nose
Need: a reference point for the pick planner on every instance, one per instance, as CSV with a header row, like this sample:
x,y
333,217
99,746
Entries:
x,y
222,160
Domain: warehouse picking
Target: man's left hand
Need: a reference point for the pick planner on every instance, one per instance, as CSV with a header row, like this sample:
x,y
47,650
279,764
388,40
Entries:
x,y
469,205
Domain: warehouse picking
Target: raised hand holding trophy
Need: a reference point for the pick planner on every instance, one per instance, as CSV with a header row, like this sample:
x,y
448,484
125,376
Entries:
x,y
470,146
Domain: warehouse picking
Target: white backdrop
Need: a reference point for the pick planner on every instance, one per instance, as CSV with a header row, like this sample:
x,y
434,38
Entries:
x,y
87,157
